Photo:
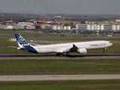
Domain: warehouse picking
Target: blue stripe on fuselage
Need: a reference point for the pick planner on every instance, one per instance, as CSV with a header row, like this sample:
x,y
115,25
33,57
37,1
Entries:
x,y
30,49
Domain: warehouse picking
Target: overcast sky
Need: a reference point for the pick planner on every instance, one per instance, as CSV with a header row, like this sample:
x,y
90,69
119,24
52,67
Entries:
x,y
61,6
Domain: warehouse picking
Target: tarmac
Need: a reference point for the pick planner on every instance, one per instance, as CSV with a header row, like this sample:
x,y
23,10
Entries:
x,y
61,58
11,78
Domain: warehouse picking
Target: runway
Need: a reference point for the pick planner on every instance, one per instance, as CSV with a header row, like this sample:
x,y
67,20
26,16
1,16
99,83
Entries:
x,y
58,77
60,58
6,78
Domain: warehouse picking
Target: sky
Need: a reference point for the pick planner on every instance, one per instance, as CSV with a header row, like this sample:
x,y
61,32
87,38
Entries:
x,y
61,6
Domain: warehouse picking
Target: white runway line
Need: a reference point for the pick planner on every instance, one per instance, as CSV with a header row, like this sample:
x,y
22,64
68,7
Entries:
x,y
59,77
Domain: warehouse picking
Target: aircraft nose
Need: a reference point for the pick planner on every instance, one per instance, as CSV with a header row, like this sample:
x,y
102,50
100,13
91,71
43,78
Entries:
x,y
110,44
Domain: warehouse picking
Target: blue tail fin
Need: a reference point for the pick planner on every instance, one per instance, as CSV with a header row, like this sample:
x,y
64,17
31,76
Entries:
x,y
21,41
23,44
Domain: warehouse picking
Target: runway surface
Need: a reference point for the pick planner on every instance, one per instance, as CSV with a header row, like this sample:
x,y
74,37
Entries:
x,y
61,58
59,77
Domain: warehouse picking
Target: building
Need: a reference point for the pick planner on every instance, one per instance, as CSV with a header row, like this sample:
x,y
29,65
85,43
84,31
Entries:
x,y
116,27
25,25
93,27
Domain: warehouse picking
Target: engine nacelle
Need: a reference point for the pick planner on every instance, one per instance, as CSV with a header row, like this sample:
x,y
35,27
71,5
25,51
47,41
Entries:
x,y
82,51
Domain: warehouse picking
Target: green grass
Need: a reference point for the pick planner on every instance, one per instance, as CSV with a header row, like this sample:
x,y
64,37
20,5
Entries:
x,y
115,48
62,85
51,66
11,50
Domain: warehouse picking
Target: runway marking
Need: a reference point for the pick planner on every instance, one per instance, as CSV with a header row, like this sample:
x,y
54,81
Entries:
x,y
59,77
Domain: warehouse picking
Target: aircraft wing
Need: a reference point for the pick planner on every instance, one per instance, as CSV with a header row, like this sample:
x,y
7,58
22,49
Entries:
x,y
70,48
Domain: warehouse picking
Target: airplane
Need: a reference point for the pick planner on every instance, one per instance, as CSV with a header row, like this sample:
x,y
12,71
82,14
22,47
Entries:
x,y
61,48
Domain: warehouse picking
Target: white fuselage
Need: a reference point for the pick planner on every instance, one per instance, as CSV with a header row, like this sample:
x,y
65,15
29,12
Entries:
x,y
59,48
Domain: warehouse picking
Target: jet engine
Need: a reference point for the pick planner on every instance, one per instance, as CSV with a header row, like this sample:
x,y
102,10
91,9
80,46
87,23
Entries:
x,y
82,51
